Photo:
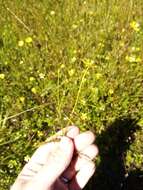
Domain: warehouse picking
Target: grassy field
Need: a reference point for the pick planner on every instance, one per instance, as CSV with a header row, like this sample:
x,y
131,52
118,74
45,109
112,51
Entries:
x,y
68,62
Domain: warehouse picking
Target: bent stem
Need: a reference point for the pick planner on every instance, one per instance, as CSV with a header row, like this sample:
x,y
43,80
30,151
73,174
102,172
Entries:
x,y
77,97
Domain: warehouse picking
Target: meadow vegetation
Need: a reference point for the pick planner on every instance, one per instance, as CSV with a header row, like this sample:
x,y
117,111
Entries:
x,y
67,62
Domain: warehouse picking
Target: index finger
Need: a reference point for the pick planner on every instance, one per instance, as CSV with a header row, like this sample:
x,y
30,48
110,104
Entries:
x,y
83,140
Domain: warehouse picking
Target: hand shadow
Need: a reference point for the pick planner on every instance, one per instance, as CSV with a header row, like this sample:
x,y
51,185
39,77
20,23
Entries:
x,y
113,145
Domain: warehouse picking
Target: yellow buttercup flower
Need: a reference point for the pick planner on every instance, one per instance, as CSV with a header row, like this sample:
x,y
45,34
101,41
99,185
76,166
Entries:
x,y
88,62
135,26
71,72
2,75
28,40
22,99
98,75
41,75
138,60
62,66
31,79
27,158
20,43
74,26
84,116
73,59
111,91
133,59
34,90
52,13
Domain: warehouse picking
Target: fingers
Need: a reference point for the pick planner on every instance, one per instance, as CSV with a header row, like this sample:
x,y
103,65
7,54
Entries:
x,y
41,155
83,140
73,131
57,162
82,177
37,161
78,163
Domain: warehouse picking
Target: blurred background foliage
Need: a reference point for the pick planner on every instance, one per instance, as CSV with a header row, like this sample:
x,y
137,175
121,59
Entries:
x,y
67,62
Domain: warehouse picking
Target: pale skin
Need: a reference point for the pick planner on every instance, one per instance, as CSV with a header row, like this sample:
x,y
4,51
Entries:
x,y
63,165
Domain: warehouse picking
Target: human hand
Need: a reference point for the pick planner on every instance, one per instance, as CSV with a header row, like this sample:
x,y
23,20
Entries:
x,y
64,165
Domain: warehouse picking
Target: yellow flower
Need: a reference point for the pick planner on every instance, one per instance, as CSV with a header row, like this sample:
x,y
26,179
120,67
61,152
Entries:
x,y
74,26
27,158
52,13
21,62
40,134
73,59
31,79
84,116
135,26
133,59
83,102
88,62
28,40
62,66
20,43
98,75
41,75
138,60
71,72
2,75
111,91
22,99
91,13
34,90
122,44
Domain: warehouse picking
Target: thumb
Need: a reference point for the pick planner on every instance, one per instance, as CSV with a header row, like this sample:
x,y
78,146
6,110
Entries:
x,y
58,161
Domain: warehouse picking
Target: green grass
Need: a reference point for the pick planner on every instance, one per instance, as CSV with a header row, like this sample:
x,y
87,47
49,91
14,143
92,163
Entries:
x,y
67,62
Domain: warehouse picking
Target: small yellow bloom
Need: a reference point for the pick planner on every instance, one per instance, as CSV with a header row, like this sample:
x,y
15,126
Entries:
x,y
52,13
84,116
20,43
27,158
91,13
98,75
34,90
41,75
133,59
71,72
111,91
101,45
73,59
2,76
88,62
62,66
40,134
83,102
21,62
138,60
135,26
31,79
22,99
28,40
74,26
122,43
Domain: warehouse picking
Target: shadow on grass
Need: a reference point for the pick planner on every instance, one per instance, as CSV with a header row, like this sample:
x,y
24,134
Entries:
x,y
113,145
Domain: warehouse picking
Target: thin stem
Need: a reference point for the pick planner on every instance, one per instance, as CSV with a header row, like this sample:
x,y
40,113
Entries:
x,y
18,19
78,94
28,110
